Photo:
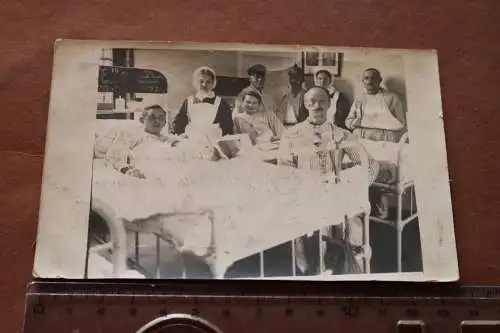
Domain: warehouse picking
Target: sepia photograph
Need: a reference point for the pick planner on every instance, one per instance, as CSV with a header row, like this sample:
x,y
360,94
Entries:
x,y
234,161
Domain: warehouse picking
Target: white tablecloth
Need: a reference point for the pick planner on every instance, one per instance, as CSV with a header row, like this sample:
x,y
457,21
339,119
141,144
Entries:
x,y
387,154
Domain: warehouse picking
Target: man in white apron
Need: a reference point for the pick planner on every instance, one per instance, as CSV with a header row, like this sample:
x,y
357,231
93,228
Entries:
x,y
378,114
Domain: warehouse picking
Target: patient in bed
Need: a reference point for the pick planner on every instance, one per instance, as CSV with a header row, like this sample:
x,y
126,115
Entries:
x,y
262,126
298,148
116,147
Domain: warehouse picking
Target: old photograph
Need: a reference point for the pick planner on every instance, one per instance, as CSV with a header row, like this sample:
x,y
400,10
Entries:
x,y
231,161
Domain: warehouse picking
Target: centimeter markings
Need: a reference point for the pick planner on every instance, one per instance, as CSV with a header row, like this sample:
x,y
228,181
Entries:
x,y
65,292
87,307
461,294
263,287
349,306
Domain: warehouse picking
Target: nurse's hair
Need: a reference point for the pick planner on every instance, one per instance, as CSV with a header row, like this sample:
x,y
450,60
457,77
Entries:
x,y
147,109
324,71
204,70
253,94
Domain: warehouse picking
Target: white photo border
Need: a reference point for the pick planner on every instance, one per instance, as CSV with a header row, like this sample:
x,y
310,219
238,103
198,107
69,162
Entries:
x,y
64,213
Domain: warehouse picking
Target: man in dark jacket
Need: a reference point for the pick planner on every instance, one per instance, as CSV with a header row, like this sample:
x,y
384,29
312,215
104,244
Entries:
x,y
340,105
291,109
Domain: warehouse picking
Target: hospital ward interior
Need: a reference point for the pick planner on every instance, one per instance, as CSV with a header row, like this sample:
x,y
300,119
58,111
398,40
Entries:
x,y
322,136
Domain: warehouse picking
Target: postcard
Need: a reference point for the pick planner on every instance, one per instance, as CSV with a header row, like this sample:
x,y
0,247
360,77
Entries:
x,y
185,160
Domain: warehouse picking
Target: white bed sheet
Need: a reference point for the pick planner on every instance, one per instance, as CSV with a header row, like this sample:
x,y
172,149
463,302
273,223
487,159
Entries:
x,y
386,154
256,205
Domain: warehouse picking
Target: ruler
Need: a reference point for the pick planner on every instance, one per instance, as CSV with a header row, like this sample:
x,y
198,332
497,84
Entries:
x,y
263,307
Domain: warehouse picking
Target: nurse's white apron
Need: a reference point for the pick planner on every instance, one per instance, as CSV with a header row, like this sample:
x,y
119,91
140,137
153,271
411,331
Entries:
x,y
201,130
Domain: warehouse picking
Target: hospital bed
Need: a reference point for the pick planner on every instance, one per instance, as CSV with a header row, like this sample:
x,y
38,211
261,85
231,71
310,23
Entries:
x,y
395,178
220,227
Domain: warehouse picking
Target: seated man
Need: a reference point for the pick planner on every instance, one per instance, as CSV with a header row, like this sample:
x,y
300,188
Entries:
x,y
297,148
117,146
262,126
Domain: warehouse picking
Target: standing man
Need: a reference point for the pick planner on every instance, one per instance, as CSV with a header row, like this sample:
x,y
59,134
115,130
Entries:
x,y
257,76
291,109
298,148
378,114
339,104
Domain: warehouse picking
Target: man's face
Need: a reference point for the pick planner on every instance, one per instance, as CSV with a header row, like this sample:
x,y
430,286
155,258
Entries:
x,y
154,121
205,83
258,80
371,81
295,79
317,103
323,80
250,104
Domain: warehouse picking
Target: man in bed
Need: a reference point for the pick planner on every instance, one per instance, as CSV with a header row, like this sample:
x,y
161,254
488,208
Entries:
x,y
117,146
297,148
257,77
262,126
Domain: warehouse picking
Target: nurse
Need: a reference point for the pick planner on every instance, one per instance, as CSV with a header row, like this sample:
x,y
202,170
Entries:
x,y
203,114
339,104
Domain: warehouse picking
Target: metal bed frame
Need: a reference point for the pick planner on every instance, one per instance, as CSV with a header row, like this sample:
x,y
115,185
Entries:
x,y
400,188
116,245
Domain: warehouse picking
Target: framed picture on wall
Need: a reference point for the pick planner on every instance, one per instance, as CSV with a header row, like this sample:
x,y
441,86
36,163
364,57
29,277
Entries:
x,y
313,61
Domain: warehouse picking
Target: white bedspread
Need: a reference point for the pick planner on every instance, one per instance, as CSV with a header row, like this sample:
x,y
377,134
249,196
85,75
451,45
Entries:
x,y
386,154
256,205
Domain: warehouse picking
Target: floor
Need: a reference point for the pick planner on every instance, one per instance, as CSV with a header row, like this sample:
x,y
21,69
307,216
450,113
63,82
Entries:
x,y
384,256
277,261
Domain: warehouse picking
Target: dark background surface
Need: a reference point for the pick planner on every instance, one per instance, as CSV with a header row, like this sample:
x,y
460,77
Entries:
x,y
465,33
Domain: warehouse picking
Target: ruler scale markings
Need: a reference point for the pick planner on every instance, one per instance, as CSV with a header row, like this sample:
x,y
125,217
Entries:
x,y
325,313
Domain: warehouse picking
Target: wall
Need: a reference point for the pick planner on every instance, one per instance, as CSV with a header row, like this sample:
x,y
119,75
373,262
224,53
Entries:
x,y
391,68
178,67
